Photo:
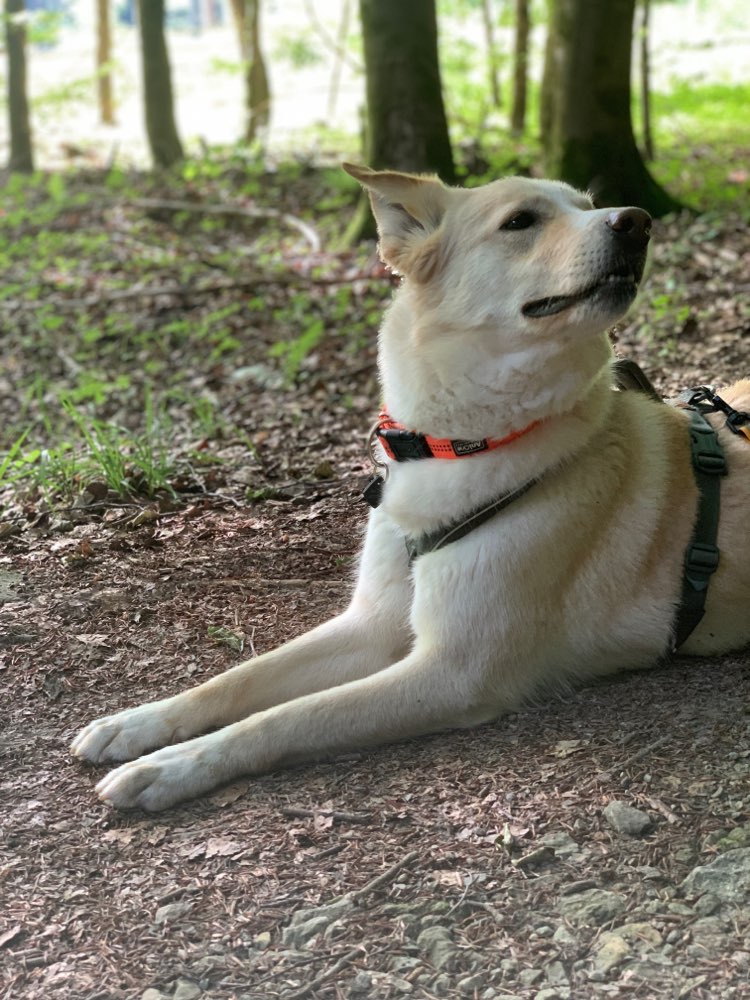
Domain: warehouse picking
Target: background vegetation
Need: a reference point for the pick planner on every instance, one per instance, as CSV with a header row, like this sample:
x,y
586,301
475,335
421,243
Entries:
x,y
143,310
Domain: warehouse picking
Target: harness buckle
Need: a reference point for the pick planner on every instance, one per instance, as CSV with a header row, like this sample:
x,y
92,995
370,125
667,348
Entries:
x,y
701,560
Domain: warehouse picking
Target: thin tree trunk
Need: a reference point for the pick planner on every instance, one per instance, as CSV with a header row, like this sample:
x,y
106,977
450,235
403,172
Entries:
x,y
166,148
338,59
493,70
103,62
21,155
257,90
645,79
520,67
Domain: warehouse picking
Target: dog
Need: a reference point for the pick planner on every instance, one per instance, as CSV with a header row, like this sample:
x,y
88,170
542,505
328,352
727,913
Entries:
x,y
495,348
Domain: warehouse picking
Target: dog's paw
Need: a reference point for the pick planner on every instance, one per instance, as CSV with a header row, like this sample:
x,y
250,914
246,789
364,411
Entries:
x,y
158,780
126,735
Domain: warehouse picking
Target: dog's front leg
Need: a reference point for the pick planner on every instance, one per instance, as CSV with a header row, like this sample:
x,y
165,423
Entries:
x,y
370,635
422,693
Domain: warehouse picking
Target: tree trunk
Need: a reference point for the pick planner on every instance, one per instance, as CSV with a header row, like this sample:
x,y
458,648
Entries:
x,y
21,156
103,62
406,123
338,60
520,67
645,79
257,91
164,142
493,71
587,128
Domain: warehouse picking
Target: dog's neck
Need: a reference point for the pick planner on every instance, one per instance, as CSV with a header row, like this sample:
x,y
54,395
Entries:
x,y
462,385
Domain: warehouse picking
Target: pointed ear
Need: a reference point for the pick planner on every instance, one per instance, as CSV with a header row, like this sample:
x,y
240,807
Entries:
x,y
408,210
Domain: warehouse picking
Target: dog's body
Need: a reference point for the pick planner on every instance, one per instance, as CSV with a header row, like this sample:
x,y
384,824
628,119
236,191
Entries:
x,y
498,328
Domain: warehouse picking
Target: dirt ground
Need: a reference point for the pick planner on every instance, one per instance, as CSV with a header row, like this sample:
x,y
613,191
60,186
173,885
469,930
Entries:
x,y
484,864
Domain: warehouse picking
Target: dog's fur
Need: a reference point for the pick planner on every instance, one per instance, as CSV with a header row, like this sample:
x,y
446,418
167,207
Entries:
x,y
500,321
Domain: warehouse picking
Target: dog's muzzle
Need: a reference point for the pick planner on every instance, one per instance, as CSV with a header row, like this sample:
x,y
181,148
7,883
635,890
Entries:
x,y
630,230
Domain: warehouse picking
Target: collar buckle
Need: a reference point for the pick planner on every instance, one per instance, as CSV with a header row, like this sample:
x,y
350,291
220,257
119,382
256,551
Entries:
x,y
403,445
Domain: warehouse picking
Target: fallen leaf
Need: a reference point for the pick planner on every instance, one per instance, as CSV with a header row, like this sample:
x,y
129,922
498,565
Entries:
x,y
222,848
10,935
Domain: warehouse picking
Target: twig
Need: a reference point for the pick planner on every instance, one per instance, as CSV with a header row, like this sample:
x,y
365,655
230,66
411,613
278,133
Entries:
x,y
386,876
295,812
187,291
663,808
643,752
330,41
292,221
308,988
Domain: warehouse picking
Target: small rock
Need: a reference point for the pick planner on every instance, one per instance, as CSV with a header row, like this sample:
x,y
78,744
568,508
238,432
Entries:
x,y
508,967
592,908
438,944
305,924
441,985
727,840
612,951
727,877
187,990
362,983
707,904
403,964
152,994
402,986
551,993
563,937
527,977
544,931
324,470
556,974
562,844
470,984
626,819
171,912
261,941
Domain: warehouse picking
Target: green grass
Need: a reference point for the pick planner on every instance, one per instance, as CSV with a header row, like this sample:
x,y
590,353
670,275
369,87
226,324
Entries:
x,y
703,145
128,463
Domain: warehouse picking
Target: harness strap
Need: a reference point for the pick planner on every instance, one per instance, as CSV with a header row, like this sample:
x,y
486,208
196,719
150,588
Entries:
x,y
702,556
431,541
626,374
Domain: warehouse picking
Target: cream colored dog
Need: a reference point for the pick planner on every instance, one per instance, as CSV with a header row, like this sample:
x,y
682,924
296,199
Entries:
x,y
497,334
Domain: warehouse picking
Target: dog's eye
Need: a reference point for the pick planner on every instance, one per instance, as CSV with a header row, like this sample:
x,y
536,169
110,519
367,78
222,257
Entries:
x,y
521,220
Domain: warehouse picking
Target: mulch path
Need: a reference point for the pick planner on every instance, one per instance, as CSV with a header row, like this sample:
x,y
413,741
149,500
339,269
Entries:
x,y
194,902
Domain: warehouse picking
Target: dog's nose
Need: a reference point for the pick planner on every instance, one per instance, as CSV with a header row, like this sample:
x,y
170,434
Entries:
x,y
632,225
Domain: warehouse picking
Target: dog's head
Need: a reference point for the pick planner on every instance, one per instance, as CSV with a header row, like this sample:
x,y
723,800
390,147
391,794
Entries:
x,y
506,287
527,250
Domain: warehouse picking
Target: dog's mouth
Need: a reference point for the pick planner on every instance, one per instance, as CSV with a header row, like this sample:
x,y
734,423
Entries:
x,y
618,289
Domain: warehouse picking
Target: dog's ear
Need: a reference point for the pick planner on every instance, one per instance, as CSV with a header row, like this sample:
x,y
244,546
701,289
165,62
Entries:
x,y
408,210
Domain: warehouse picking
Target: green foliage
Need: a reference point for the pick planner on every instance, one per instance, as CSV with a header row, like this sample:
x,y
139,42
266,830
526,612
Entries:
x,y
296,48
293,352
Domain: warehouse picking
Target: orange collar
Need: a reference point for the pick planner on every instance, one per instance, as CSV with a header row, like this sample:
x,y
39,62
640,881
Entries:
x,y
403,445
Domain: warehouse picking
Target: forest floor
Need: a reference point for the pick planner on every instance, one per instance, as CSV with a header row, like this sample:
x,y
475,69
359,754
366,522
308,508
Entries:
x,y
482,864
